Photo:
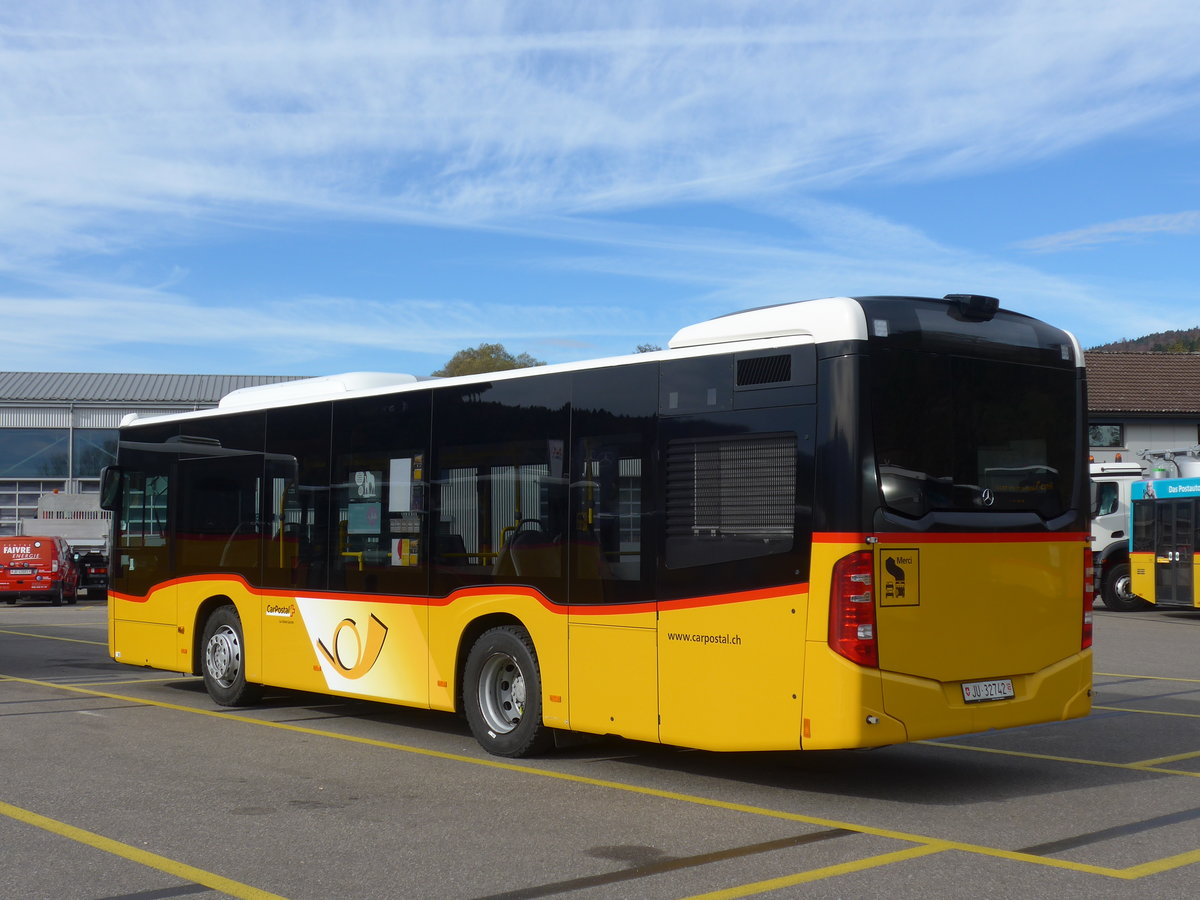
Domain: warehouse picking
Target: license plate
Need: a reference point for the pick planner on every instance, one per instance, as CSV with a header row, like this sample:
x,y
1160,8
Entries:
x,y
980,691
20,571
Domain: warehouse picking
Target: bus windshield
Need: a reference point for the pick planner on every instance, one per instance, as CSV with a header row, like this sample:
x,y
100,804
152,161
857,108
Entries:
x,y
958,434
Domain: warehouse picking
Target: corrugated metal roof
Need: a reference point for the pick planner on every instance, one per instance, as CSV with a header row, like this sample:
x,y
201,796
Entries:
x,y
108,387
1143,383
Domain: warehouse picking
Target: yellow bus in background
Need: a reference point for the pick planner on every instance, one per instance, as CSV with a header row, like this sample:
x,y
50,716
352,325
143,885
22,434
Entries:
x,y
838,523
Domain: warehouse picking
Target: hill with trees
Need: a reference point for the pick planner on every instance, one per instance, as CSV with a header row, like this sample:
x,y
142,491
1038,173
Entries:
x,y
1185,341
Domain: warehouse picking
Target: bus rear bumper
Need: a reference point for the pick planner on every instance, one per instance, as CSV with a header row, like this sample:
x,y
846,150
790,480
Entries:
x,y
933,709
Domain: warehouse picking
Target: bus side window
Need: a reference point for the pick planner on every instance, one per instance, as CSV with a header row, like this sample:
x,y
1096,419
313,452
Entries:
x,y
607,504
500,511
729,497
141,554
298,495
1143,525
219,520
498,488
737,500
378,481
614,522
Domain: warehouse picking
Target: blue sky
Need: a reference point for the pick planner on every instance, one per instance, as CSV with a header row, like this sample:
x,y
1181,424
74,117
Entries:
x,y
307,188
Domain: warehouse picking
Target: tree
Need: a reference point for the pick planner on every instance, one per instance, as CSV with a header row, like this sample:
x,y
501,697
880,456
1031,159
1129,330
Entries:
x,y
486,358
647,348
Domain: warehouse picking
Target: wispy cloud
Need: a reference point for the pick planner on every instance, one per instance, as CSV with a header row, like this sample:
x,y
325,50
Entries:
x,y
1112,232
145,329
130,124
823,249
472,111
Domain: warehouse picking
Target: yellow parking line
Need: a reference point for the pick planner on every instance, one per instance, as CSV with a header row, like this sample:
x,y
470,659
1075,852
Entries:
x,y
1156,866
1178,757
134,854
1147,712
859,865
50,637
1141,765
924,840
1134,766
138,681
1147,677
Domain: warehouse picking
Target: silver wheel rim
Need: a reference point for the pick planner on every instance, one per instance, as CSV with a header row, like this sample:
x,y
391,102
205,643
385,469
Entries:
x,y
501,693
223,656
1122,588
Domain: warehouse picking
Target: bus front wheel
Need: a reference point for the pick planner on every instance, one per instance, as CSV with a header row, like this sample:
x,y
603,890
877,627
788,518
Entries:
x,y
1116,592
223,660
502,694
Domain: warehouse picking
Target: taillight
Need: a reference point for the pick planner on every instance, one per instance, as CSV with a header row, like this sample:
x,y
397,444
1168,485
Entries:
x,y
1089,598
54,566
852,609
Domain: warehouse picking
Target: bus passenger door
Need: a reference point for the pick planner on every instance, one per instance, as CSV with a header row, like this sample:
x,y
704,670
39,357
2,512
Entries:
x,y
1175,531
142,594
612,623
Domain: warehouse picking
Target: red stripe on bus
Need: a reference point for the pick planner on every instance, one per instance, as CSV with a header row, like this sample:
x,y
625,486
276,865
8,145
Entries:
x,y
951,537
613,609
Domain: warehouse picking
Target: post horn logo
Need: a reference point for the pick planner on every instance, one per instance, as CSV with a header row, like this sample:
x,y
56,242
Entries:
x,y
350,656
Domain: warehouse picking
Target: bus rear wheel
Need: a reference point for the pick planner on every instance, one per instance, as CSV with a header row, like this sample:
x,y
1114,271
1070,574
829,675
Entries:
x,y
1116,592
502,694
223,660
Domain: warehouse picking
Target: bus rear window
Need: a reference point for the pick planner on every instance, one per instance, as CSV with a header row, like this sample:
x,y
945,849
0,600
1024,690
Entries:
x,y
958,434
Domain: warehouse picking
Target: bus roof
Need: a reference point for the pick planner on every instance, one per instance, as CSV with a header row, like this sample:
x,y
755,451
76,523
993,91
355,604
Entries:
x,y
828,319
801,322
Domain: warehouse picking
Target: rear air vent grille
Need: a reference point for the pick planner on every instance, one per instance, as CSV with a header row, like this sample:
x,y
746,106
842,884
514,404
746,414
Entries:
x,y
764,370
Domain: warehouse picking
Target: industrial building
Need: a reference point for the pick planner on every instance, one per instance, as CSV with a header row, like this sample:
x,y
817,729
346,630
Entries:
x,y
58,429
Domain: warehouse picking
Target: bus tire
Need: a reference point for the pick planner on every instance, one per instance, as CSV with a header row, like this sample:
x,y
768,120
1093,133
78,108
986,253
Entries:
x,y
223,660
1115,590
502,694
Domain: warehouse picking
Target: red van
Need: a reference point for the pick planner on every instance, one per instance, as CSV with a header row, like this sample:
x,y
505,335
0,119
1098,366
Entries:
x,y
40,568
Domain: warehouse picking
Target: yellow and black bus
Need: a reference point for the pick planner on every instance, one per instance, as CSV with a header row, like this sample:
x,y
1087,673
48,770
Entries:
x,y
837,523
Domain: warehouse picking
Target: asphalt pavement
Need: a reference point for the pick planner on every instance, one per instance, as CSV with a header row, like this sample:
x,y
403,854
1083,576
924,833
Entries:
x,y
120,782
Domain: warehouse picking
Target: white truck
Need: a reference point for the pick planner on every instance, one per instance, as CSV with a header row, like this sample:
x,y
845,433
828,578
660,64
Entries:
x,y
1110,534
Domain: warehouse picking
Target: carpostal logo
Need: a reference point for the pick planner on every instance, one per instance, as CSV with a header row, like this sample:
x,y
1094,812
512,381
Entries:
x,y
282,612
351,656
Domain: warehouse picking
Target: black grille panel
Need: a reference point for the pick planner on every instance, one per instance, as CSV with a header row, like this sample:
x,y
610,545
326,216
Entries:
x,y
764,370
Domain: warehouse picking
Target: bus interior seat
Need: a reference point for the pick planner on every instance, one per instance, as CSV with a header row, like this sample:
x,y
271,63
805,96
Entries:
x,y
529,553
449,549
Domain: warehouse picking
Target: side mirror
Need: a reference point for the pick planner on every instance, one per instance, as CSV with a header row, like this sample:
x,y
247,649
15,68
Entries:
x,y
110,488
